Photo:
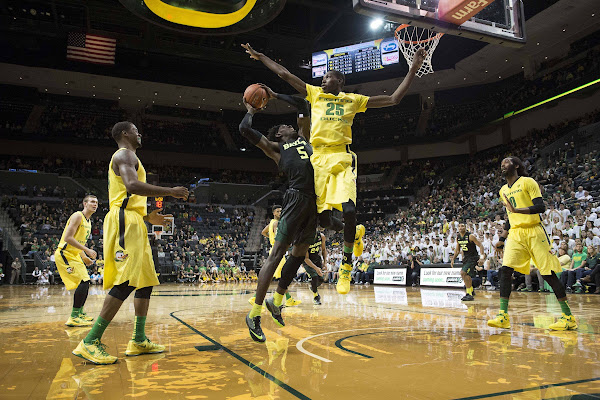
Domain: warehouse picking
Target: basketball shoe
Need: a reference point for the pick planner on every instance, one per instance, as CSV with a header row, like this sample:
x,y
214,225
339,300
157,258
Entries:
x,y
275,311
256,332
146,347
501,321
343,284
94,352
564,323
78,321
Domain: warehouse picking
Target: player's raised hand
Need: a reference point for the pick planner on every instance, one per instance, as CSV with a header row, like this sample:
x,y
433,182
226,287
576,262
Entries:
x,y
251,110
419,59
179,192
253,53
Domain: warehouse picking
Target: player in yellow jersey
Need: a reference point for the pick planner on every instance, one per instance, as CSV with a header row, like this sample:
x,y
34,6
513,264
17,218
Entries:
x,y
527,242
128,258
71,257
270,232
332,114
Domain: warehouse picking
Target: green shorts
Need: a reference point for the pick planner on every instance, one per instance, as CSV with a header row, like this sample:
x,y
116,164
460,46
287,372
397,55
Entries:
x,y
298,222
469,266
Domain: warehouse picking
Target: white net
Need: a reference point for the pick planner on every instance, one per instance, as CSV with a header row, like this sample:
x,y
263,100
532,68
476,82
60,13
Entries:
x,y
411,38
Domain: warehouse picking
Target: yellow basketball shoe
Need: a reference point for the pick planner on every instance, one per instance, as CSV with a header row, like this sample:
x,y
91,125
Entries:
x,y
359,245
501,321
146,347
78,321
565,323
85,317
291,302
94,352
343,284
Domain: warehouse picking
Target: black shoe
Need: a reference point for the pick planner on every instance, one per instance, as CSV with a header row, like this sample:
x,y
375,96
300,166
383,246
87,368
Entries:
x,y
256,332
467,297
317,300
275,311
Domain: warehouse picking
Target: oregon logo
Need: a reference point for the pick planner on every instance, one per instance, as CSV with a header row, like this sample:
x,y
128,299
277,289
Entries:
x,y
69,270
200,19
120,256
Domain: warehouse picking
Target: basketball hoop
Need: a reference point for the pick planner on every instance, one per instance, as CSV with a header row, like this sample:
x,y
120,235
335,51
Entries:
x,y
412,38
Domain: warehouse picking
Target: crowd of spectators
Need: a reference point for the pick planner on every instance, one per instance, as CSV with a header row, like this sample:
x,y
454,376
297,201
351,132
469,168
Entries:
x,y
425,231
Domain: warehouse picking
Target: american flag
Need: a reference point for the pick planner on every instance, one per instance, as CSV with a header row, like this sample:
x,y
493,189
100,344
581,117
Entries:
x,y
91,48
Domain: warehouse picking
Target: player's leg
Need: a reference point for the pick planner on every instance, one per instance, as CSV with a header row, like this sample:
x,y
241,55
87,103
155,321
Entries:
x,y
139,343
467,270
264,280
349,212
328,221
275,303
548,265
91,347
79,298
505,283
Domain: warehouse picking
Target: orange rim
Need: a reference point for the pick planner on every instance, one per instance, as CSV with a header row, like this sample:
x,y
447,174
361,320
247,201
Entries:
x,y
404,26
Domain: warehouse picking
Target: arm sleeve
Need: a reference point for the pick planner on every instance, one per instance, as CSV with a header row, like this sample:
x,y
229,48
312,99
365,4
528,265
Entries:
x,y
246,130
301,104
538,206
361,102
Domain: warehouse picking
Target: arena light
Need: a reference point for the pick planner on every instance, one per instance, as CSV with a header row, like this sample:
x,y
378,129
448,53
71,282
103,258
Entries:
x,y
510,114
376,23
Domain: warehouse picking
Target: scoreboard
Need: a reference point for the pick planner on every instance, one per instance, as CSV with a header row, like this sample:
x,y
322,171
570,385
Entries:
x,y
368,56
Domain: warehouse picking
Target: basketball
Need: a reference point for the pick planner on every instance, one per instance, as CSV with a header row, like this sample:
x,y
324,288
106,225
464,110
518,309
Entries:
x,y
256,96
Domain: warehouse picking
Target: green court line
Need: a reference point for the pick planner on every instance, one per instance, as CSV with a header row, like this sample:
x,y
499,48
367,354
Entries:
x,y
252,366
485,396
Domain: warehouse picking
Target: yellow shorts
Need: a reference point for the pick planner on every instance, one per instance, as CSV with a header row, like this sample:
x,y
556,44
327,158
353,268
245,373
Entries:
x,y
335,176
71,269
525,246
127,252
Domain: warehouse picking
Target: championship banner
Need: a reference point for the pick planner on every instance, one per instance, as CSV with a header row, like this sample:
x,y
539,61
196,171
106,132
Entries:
x,y
391,276
441,277
391,295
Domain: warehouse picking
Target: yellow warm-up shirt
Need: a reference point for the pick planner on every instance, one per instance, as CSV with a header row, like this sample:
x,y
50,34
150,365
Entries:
x,y
81,235
272,231
117,192
521,194
332,116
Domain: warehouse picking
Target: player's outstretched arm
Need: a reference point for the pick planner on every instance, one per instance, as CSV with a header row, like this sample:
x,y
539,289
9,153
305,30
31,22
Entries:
x,y
400,92
271,149
480,245
279,69
125,163
301,104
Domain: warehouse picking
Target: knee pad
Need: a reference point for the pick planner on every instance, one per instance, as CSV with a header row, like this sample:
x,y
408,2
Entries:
x,y
121,291
325,219
143,293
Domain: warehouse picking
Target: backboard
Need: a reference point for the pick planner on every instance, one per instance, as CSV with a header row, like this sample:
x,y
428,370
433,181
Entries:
x,y
500,21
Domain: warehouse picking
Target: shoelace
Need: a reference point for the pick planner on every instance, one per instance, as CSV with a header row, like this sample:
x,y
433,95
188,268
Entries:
x,y
101,346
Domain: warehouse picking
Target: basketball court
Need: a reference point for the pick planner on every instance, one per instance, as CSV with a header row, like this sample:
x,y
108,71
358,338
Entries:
x,y
376,342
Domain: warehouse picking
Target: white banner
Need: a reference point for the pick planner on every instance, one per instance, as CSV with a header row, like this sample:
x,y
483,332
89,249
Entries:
x,y
390,276
449,277
440,298
391,295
